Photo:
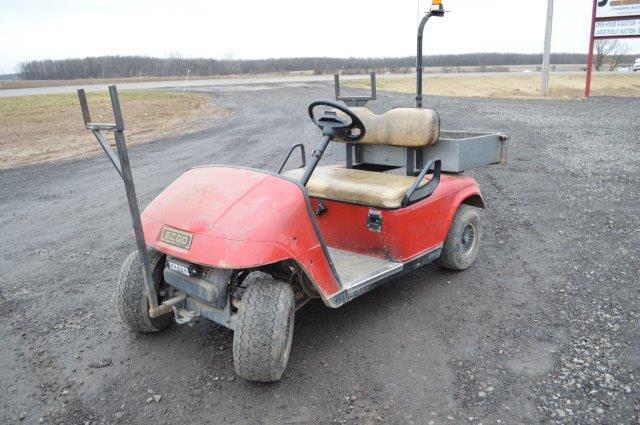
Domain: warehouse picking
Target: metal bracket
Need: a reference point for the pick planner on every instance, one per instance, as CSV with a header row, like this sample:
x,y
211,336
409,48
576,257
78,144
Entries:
x,y
356,100
182,315
121,163
503,148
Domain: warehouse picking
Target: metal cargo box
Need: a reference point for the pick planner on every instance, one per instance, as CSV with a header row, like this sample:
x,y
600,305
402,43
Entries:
x,y
463,150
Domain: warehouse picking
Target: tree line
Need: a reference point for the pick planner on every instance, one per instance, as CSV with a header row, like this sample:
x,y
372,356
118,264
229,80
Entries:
x,y
135,66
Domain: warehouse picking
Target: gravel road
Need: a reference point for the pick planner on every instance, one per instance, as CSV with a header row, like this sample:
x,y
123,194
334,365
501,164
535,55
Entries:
x,y
543,328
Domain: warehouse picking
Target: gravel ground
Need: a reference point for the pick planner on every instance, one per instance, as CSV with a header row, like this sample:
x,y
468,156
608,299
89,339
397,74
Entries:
x,y
542,329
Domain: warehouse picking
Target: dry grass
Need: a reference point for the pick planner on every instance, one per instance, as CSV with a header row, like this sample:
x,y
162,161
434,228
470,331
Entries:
x,y
514,86
42,128
22,84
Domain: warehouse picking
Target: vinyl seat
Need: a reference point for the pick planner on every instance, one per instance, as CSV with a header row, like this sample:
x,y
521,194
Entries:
x,y
375,189
401,128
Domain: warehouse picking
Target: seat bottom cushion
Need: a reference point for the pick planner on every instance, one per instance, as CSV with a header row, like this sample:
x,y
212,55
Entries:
x,y
371,188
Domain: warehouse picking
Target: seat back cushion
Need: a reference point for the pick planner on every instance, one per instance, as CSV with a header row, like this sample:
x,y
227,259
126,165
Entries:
x,y
405,127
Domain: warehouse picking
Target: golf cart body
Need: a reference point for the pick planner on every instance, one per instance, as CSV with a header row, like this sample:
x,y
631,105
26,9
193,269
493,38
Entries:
x,y
241,219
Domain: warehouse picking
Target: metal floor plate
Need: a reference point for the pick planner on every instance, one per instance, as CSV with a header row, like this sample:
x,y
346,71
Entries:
x,y
358,270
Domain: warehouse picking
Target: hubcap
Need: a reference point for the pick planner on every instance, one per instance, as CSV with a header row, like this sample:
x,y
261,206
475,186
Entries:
x,y
468,239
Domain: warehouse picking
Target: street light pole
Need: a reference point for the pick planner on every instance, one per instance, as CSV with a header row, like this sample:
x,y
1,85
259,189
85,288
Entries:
x,y
546,60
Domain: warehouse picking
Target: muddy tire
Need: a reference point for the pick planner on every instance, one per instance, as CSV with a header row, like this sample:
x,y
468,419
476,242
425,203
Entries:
x,y
131,294
264,330
463,240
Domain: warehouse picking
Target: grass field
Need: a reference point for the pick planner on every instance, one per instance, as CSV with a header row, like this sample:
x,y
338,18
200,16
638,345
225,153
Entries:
x,y
22,84
513,86
49,127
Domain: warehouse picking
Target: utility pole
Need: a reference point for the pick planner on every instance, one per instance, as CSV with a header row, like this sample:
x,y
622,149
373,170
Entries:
x,y
544,83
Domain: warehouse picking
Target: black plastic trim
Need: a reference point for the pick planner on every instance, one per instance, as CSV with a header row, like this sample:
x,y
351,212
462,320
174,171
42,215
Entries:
x,y
415,193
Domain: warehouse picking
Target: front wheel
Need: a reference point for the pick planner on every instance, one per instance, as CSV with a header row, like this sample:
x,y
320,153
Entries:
x,y
264,330
463,240
131,294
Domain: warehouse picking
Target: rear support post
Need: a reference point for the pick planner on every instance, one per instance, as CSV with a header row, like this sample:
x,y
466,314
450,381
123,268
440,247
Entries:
x,y
436,10
123,167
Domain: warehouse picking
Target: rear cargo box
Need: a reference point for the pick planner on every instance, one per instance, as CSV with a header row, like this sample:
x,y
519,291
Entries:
x,y
463,150
458,150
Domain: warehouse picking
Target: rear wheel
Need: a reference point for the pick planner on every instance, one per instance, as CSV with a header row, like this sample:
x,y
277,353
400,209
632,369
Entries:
x,y
463,240
131,294
264,330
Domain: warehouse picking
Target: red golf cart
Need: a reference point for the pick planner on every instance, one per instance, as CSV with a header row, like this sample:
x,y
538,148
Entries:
x,y
247,248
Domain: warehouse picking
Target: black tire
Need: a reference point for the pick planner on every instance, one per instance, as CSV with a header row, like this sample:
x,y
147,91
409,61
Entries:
x,y
264,330
463,240
131,294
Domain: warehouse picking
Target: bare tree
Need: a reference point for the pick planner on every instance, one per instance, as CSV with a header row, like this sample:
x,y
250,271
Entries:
x,y
175,64
609,52
603,48
617,54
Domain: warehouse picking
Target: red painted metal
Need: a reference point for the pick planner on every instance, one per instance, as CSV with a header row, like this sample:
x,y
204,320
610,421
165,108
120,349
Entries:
x,y
587,87
239,218
592,39
618,18
406,232
242,218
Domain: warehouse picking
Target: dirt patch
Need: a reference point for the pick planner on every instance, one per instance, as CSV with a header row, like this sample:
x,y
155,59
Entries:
x,y
513,86
43,128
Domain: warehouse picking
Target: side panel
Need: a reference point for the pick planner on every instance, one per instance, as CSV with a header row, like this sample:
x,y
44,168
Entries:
x,y
406,232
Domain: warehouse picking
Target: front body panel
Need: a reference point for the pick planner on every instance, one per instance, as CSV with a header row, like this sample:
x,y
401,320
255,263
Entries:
x,y
237,219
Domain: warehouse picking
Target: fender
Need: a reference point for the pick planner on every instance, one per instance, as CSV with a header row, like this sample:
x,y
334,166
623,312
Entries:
x,y
469,195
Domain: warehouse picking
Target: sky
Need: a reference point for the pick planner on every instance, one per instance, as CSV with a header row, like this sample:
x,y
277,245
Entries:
x,y
248,29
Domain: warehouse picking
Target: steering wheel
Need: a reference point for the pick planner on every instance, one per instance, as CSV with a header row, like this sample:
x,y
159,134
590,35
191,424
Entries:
x,y
336,126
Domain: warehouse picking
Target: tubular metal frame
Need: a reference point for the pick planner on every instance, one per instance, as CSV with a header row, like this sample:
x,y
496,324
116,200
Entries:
x,y
433,12
353,101
120,161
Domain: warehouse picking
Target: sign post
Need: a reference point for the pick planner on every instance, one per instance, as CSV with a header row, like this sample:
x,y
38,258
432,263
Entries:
x,y
611,19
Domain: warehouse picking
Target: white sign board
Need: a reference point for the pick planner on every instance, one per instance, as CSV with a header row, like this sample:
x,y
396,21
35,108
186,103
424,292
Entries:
x,y
617,8
617,28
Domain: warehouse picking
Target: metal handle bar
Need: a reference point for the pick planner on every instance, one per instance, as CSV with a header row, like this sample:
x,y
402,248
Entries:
x,y
284,160
415,193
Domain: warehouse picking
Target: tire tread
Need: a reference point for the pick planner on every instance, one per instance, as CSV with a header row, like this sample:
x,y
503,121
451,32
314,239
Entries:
x,y
259,334
131,295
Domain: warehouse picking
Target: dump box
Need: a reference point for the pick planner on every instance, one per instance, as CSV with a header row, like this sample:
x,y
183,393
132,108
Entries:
x,y
464,150
458,150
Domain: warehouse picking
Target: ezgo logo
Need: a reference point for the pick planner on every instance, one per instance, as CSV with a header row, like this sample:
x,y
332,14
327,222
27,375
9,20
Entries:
x,y
602,3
